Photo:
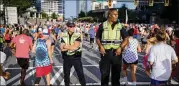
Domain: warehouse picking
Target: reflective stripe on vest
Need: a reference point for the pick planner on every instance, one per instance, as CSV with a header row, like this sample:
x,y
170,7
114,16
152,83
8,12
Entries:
x,y
111,38
65,37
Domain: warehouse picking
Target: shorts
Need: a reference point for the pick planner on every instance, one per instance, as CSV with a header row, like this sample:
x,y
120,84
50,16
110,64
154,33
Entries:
x,y
8,41
23,62
53,43
157,83
136,62
91,40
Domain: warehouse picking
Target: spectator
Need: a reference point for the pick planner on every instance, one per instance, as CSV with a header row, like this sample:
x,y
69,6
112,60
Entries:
x,y
3,75
161,61
130,47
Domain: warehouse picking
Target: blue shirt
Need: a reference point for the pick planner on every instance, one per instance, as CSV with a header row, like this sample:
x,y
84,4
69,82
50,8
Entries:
x,y
2,30
91,33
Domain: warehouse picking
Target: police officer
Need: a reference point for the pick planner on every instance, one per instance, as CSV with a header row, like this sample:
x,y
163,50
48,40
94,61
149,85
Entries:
x,y
71,53
108,39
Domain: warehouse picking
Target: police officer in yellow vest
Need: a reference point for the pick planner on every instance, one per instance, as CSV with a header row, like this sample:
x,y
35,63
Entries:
x,y
108,39
71,53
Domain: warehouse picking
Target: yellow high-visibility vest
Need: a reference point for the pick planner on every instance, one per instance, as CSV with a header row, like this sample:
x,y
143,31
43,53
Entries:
x,y
111,38
66,38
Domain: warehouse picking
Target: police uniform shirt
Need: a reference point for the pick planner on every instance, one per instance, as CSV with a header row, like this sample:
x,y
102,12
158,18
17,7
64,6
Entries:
x,y
100,31
78,39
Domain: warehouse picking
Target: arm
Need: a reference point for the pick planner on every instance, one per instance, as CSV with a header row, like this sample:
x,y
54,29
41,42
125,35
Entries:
x,y
147,49
12,44
138,47
75,46
49,50
34,47
62,47
99,43
151,56
62,44
174,57
124,43
30,46
99,36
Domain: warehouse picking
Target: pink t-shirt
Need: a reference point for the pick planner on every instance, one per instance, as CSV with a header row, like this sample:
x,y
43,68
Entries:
x,y
22,43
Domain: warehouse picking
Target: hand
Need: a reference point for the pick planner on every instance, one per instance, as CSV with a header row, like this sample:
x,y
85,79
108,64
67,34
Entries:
x,y
102,51
13,51
7,75
118,52
66,46
51,61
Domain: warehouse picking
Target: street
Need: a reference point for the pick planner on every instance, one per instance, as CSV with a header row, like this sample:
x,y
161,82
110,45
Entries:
x,y
90,60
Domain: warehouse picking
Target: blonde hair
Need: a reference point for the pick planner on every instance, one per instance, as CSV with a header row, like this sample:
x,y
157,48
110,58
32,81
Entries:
x,y
161,35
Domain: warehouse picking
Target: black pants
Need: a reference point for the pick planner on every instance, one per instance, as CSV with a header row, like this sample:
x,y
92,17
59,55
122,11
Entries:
x,y
70,61
1,46
110,62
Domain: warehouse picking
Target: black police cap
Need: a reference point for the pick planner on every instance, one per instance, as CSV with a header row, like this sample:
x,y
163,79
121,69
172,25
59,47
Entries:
x,y
70,23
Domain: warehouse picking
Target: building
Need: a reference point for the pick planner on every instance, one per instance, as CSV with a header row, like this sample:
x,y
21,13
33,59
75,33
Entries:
x,y
101,4
81,5
53,6
149,14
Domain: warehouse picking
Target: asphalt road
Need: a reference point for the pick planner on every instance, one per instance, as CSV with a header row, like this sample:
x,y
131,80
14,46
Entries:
x,y
90,60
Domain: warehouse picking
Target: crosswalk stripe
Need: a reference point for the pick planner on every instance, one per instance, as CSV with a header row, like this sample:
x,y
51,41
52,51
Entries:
x,y
59,63
15,77
56,76
27,76
89,74
89,60
122,83
52,66
71,73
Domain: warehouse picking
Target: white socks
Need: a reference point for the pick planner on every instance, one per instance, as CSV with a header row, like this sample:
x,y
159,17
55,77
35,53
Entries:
x,y
125,80
133,83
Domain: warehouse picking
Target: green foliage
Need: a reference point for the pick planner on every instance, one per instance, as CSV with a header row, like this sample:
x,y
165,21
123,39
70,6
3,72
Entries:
x,y
85,19
90,13
21,5
44,15
54,16
81,14
122,13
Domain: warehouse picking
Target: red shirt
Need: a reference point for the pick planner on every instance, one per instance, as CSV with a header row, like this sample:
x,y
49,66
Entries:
x,y
22,43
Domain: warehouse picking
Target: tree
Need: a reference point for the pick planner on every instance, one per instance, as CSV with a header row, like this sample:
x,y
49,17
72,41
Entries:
x,y
21,5
171,12
81,14
122,12
54,16
90,13
44,15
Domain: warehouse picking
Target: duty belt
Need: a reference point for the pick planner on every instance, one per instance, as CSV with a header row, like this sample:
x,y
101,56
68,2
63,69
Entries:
x,y
109,42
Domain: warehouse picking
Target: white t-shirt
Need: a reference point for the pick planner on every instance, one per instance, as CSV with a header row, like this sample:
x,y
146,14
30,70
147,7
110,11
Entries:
x,y
2,81
3,57
161,55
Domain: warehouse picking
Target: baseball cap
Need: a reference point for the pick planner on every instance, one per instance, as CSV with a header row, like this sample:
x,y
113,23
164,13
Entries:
x,y
40,29
45,32
70,23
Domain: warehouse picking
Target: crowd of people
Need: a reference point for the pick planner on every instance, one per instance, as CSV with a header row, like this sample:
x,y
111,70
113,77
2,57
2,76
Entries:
x,y
118,43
